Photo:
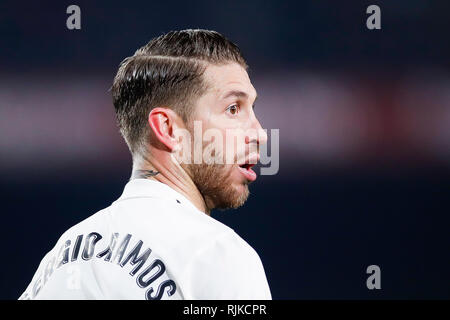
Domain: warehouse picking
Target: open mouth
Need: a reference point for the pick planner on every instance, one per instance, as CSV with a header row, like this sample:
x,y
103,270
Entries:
x,y
246,170
246,166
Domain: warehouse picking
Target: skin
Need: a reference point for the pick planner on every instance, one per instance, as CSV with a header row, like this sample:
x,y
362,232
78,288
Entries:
x,y
207,186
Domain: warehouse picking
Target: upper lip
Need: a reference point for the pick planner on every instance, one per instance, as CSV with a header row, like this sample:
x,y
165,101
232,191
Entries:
x,y
250,161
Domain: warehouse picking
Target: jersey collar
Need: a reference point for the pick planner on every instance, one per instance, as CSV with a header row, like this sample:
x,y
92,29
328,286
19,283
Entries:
x,y
145,188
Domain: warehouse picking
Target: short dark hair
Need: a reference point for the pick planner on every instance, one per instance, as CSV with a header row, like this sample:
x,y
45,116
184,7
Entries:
x,y
167,71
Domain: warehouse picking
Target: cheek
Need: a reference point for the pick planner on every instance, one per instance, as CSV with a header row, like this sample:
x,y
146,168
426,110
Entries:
x,y
234,146
230,134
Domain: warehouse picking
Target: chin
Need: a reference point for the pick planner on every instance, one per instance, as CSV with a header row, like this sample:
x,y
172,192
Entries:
x,y
242,190
221,186
234,197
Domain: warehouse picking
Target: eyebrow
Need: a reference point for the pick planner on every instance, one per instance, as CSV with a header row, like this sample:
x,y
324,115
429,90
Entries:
x,y
238,94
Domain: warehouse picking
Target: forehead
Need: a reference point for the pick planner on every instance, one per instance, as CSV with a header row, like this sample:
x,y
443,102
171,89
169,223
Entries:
x,y
223,78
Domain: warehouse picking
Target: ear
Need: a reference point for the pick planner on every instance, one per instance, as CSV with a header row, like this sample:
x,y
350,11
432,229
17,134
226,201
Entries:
x,y
162,121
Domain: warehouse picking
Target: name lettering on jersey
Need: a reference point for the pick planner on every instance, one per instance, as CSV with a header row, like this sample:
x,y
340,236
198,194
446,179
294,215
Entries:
x,y
117,252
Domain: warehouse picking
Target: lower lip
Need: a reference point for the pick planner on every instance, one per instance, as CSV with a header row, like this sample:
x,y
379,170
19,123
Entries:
x,y
249,174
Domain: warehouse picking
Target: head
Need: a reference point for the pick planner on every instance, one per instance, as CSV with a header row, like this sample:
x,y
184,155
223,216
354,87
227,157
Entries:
x,y
195,81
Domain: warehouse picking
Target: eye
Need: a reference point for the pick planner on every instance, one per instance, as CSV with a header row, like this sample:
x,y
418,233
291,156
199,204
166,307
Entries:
x,y
233,109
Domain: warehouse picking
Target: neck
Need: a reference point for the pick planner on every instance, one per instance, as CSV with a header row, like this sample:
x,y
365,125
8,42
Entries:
x,y
171,174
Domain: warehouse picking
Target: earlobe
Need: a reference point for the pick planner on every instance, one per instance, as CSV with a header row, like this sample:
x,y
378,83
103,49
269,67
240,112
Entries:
x,y
161,123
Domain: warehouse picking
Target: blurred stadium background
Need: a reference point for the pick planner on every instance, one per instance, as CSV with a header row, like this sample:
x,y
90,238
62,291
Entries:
x,y
364,119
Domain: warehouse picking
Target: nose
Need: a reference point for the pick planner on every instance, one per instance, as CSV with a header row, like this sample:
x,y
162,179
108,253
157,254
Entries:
x,y
256,134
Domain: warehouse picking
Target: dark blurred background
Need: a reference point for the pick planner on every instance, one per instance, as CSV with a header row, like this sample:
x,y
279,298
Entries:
x,y
364,119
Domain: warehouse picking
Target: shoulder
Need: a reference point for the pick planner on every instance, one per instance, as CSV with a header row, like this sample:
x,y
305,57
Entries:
x,y
117,247
52,265
228,268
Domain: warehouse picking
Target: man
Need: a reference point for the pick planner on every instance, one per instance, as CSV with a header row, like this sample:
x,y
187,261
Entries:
x,y
158,241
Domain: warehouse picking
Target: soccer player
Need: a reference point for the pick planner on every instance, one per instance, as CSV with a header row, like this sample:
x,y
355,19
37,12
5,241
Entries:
x,y
158,240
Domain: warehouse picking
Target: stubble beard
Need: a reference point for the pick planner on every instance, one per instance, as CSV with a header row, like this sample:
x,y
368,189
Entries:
x,y
213,182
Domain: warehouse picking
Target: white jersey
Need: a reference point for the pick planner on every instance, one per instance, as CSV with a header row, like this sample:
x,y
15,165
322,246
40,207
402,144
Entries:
x,y
151,243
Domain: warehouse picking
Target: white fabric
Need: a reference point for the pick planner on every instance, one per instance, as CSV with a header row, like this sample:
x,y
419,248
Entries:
x,y
175,250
